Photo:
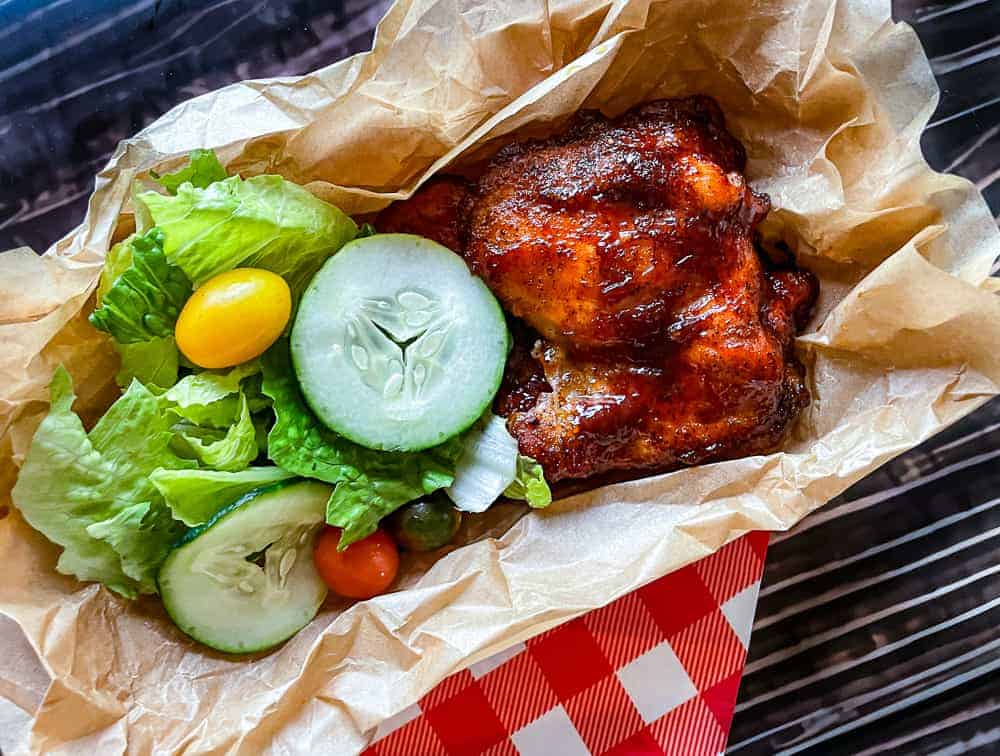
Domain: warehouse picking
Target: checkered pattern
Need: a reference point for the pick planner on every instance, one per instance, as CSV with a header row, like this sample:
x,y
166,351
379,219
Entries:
x,y
655,672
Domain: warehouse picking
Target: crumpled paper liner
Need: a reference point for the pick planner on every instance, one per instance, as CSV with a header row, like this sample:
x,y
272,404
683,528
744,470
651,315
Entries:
x,y
829,99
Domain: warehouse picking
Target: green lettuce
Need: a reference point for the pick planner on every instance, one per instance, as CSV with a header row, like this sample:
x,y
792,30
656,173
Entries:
x,y
211,397
368,484
202,170
91,493
216,411
154,362
529,484
490,465
228,451
210,386
262,222
195,495
144,301
116,262
211,417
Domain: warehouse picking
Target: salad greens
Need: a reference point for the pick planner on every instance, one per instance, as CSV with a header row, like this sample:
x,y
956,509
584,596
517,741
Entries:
x,y
90,492
96,494
369,484
203,170
195,495
487,466
177,447
260,222
116,262
490,466
229,451
154,362
529,484
144,301
210,397
216,409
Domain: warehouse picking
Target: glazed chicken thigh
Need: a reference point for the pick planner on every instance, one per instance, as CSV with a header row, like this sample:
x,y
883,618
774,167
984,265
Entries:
x,y
660,336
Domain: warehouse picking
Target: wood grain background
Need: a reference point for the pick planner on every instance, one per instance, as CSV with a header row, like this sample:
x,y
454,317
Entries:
x,y
879,622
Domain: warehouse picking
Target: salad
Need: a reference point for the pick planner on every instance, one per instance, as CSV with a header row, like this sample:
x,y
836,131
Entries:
x,y
301,399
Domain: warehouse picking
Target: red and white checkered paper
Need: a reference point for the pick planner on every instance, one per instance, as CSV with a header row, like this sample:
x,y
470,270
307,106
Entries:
x,y
655,672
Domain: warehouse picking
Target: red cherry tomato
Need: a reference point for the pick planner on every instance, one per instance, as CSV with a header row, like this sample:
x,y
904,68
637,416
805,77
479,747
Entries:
x,y
364,569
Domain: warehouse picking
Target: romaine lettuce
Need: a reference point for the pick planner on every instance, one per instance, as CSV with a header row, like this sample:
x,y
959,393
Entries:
x,y
195,495
144,301
202,170
368,484
490,465
210,396
262,222
116,262
230,451
529,484
154,362
487,466
91,493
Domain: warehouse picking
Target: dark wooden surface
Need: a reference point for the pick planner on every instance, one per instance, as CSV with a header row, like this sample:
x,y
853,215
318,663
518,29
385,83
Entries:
x,y
879,622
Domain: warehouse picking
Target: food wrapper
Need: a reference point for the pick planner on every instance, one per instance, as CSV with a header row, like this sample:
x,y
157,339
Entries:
x,y
829,99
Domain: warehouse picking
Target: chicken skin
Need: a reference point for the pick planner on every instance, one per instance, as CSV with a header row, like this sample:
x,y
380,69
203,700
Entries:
x,y
432,212
660,336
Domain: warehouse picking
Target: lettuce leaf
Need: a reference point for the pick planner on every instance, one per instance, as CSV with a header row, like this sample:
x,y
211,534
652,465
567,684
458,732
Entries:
x,y
154,362
488,465
230,451
263,222
210,418
210,397
91,493
116,262
529,484
210,386
195,495
202,170
368,484
144,301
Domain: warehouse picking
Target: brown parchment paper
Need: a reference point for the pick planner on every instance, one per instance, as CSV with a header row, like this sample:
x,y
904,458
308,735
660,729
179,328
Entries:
x,y
829,99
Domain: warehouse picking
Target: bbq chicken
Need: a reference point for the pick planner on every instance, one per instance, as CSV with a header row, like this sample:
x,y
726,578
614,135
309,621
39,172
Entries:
x,y
652,332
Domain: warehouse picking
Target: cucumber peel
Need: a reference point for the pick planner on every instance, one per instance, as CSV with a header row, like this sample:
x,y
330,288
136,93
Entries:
x,y
245,581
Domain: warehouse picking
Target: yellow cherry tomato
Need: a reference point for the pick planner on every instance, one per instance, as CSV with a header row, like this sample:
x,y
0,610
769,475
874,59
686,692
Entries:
x,y
233,317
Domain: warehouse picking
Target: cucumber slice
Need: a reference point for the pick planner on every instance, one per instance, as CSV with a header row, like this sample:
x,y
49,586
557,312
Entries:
x,y
396,345
245,580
